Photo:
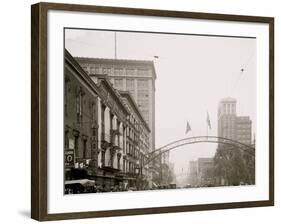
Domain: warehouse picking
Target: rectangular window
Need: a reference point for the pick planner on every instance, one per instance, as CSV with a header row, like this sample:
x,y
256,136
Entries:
x,y
118,84
102,121
130,72
142,72
66,140
93,117
84,148
130,84
106,71
103,158
78,106
118,71
76,138
124,165
143,84
118,162
95,70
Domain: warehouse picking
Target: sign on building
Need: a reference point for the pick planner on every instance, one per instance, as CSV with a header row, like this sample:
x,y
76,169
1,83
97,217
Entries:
x,y
69,158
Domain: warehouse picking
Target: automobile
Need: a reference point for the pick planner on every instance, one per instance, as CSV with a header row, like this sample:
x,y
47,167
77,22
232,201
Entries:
x,y
132,189
172,186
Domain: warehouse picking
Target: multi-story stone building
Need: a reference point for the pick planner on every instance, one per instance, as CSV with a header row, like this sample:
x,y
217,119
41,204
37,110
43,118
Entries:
x,y
112,115
230,125
80,121
244,130
95,122
205,171
227,118
106,136
136,76
135,159
193,173
238,128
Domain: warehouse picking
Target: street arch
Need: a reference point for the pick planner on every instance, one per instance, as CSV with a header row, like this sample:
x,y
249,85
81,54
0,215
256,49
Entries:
x,y
199,139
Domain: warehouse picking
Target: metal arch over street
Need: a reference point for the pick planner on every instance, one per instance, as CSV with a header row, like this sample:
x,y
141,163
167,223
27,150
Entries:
x,y
199,139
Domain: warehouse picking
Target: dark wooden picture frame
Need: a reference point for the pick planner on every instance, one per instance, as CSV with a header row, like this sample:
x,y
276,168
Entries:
x,y
39,149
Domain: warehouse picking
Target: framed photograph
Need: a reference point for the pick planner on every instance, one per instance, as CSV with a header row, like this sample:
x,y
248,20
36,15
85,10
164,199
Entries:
x,y
140,111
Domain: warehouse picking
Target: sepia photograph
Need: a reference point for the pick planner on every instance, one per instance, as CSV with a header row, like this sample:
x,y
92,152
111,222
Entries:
x,y
140,111
150,111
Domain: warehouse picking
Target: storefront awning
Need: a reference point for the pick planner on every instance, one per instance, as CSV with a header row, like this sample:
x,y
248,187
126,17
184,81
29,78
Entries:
x,y
84,182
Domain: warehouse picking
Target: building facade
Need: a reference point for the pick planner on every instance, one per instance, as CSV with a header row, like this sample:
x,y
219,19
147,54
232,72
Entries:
x,y
137,77
80,121
205,172
227,118
193,173
238,128
135,159
106,136
112,123
244,130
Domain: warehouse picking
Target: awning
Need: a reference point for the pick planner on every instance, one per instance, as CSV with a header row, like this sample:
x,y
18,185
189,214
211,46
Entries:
x,y
84,182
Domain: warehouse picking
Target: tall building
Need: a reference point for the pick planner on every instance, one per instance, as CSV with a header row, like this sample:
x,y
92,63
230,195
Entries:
x,y
238,128
106,137
136,76
244,130
227,118
230,125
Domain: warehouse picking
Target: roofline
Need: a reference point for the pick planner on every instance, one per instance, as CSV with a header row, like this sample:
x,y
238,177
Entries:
x,y
228,99
136,108
116,61
76,66
104,79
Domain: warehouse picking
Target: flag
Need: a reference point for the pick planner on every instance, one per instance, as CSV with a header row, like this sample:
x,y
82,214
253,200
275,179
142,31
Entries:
x,y
208,120
188,128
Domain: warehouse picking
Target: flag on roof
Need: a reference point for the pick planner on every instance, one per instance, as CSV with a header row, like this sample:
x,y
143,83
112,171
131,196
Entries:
x,y
188,128
208,120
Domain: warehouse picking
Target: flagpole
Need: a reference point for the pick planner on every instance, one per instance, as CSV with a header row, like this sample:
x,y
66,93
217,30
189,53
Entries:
x,y
207,129
207,125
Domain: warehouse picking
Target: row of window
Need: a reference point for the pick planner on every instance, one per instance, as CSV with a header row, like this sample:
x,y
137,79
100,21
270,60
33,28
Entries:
x,y
244,136
115,71
244,126
229,108
129,166
80,144
243,130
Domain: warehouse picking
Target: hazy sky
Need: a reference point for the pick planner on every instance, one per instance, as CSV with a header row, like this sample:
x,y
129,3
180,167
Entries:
x,y
193,74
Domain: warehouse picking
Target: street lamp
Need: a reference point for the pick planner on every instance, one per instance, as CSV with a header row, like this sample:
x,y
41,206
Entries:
x,y
138,171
